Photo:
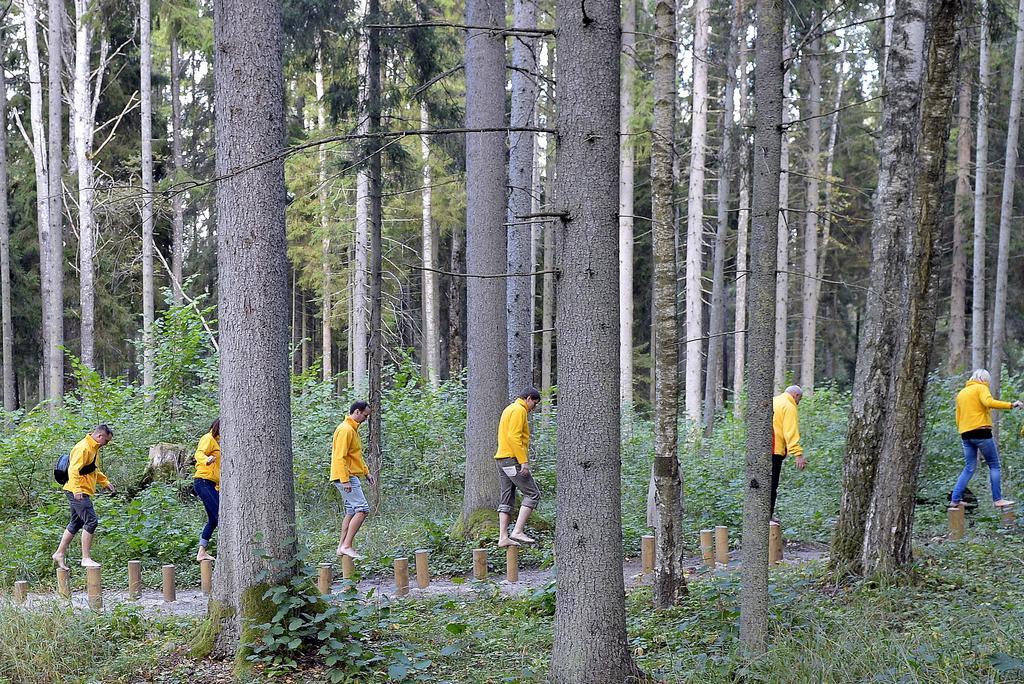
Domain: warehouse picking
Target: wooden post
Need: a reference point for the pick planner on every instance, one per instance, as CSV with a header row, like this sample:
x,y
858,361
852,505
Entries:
x,y
94,587
1009,517
774,543
348,567
324,579
422,568
956,522
707,548
722,544
20,592
647,553
134,579
479,564
64,582
401,576
206,576
169,591
512,563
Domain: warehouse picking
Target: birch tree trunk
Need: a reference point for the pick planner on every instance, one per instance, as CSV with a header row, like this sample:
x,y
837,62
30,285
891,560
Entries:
x,y
716,340
669,580
768,84
590,645
872,389
431,312
809,290
519,296
890,520
30,16
326,297
177,208
980,195
782,237
360,295
742,237
995,365
487,357
695,213
10,393
961,205
627,159
148,198
55,195
257,503
82,113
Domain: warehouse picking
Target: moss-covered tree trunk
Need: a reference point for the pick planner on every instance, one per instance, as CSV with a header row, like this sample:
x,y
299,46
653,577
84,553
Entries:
x,y
257,491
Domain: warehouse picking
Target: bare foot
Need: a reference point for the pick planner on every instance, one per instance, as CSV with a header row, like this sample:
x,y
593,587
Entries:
x,y
955,507
203,555
520,537
350,552
89,563
1003,503
502,543
58,558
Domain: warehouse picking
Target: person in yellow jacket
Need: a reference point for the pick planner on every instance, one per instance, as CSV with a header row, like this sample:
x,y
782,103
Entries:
x,y
974,404
207,485
347,465
84,475
785,436
513,463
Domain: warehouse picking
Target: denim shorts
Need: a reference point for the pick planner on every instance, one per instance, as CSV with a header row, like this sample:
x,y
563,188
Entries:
x,y
355,500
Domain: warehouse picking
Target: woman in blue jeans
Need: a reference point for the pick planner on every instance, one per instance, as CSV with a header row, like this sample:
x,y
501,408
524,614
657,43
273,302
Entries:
x,y
207,484
974,404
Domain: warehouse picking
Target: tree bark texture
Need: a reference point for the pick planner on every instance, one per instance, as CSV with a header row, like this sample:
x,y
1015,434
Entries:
x,y
83,124
830,157
810,285
872,385
548,306
519,294
360,295
590,622
148,198
177,203
9,390
695,213
995,362
890,520
980,194
375,218
782,237
326,295
257,491
957,358
627,159
431,295
742,232
487,359
768,80
55,196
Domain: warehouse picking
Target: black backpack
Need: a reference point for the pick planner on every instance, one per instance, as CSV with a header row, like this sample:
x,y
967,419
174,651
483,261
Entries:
x,y
60,469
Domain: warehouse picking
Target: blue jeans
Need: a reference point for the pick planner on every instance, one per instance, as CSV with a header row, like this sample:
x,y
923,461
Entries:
x,y
208,494
988,449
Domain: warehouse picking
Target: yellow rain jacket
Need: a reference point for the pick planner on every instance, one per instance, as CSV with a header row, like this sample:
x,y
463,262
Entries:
x,y
347,452
85,456
514,432
785,426
974,404
208,446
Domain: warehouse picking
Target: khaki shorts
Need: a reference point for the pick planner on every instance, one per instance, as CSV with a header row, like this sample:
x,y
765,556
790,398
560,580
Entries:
x,y
511,477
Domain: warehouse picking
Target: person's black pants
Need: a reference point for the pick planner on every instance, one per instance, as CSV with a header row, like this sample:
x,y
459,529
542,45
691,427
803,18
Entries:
x,y
777,462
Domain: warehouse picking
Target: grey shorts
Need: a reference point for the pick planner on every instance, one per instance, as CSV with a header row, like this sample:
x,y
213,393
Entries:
x,y
83,515
511,478
355,500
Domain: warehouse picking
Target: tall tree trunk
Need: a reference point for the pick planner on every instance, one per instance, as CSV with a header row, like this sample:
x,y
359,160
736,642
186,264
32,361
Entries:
x,y
669,581
716,340
890,519
627,158
10,392
768,84
431,298
961,205
487,358
742,227
782,237
306,342
257,525
326,297
177,204
695,213
810,288
590,626
376,351
360,295
55,195
520,169
83,129
548,308
148,198
872,389
980,194
30,16
995,365
456,303
830,157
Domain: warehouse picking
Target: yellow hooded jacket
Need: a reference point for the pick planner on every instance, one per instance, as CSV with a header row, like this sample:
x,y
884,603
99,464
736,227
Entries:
x,y
974,404
785,426
514,432
347,452
86,453
208,446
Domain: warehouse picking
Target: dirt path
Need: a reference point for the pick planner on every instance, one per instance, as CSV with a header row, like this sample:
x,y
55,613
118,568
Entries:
x,y
193,602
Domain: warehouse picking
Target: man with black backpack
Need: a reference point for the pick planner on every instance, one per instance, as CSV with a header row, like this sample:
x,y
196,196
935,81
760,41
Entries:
x,y
83,476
